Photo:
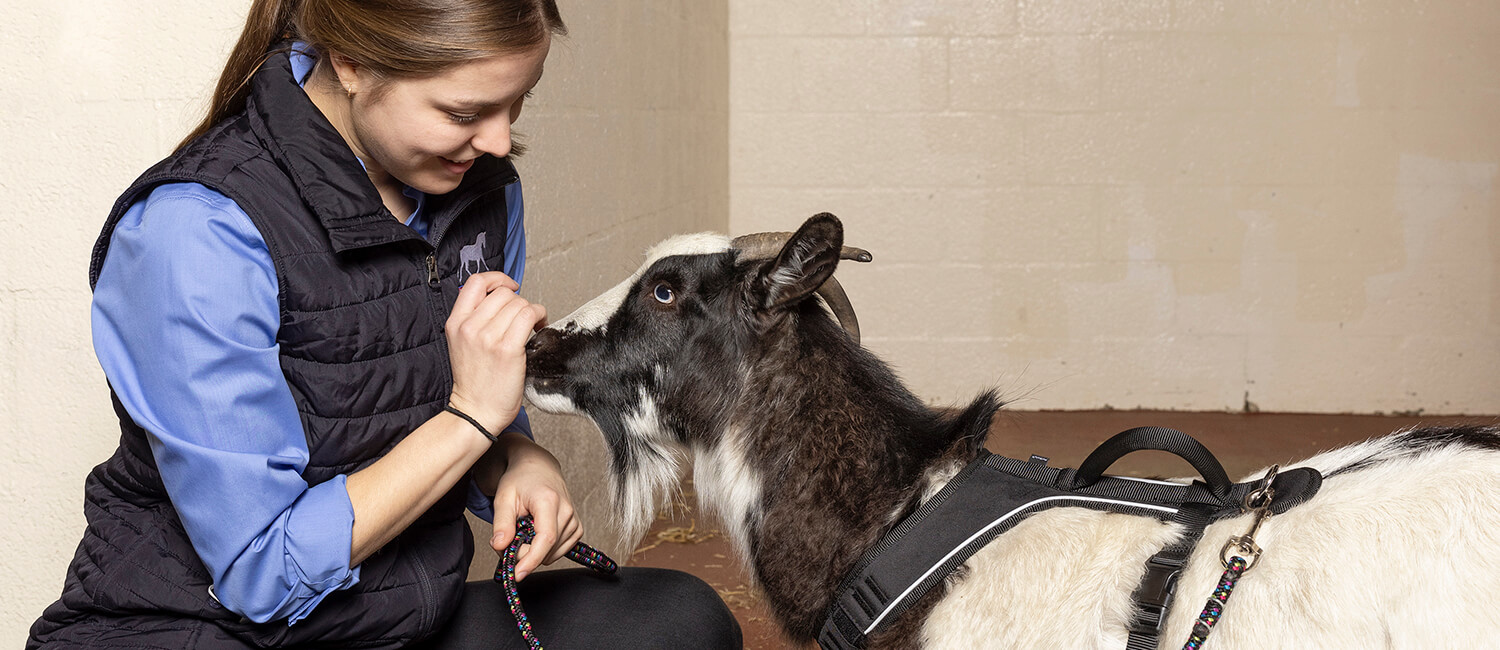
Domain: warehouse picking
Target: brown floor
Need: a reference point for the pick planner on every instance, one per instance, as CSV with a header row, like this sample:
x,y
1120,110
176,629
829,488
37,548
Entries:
x,y
1244,443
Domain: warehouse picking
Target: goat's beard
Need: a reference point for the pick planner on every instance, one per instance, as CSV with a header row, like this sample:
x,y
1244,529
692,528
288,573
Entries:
x,y
649,465
646,487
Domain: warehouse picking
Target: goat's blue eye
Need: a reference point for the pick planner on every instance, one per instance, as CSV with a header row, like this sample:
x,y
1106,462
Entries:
x,y
664,294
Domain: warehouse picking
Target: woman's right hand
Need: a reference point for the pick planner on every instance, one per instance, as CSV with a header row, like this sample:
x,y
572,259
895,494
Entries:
x,y
487,333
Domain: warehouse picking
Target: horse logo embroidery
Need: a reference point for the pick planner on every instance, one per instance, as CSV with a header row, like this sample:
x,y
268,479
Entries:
x,y
471,259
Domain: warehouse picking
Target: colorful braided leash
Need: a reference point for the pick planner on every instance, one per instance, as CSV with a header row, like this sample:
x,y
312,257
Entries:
x,y
1215,607
1239,554
505,574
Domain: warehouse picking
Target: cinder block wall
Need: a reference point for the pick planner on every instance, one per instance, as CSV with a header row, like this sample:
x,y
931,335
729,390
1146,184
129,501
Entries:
x,y
1173,204
1191,205
629,138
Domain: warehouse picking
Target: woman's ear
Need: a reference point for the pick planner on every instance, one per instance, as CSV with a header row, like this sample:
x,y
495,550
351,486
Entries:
x,y
805,262
346,70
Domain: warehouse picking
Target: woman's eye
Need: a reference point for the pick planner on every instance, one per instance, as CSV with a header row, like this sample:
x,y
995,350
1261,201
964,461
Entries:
x,y
664,294
462,119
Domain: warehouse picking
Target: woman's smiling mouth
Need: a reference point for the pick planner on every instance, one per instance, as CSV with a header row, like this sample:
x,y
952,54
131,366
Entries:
x,y
456,167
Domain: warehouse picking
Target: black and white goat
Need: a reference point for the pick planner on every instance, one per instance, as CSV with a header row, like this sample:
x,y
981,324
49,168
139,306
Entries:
x,y
809,448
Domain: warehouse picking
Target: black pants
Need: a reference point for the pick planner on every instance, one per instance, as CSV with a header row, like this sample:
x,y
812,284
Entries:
x,y
578,608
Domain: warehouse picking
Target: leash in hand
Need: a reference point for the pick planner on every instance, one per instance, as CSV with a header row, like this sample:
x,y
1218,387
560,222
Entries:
x,y
505,574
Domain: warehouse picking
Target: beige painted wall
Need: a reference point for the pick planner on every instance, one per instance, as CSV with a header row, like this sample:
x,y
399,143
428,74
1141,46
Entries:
x,y
1173,204
1187,205
629,135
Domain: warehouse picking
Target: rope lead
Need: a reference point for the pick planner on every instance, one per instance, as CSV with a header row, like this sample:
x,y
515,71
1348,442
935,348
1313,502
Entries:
x,y
505,574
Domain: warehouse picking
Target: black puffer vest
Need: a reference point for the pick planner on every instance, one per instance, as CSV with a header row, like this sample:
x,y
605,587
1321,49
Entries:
x,y
363,301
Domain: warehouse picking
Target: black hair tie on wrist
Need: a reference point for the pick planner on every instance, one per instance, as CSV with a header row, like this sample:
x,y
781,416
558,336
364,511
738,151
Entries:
x,y
493,438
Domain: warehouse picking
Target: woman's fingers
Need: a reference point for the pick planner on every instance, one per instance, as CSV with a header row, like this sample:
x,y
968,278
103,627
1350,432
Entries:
x,y
494,320
490,280
491,309
480,285
572,533
545,520
505,525
519,330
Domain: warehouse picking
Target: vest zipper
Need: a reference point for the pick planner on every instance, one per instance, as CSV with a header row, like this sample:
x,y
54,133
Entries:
x,y
427,613
456,210
432,274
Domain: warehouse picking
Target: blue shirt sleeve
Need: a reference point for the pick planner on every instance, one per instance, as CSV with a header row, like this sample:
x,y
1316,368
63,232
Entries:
x,y
185,316
515,266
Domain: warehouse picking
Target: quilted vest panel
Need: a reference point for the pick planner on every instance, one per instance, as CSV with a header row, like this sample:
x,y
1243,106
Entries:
x,y
363,300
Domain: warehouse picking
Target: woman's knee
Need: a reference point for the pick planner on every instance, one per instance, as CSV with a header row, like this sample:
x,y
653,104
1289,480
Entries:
x,y
685,608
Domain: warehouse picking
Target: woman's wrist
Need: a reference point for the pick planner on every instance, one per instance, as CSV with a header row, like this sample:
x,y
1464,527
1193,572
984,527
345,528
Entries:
x,y
490,421
513,448
518,449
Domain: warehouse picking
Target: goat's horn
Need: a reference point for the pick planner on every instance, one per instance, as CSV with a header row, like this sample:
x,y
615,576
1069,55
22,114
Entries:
x,y
833,294
765,245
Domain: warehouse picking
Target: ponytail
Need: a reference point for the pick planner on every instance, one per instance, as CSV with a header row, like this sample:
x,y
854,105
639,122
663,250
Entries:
x,y
268,22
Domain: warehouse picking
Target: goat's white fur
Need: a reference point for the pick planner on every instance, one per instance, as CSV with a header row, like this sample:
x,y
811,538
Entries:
x,y
594,315
1397,555
550,402
656,471
727,481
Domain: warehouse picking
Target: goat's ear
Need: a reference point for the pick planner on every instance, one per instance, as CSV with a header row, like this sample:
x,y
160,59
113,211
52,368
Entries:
x,y
805,262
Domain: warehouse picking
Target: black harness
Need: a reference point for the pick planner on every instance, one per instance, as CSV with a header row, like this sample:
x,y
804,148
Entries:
x,y
994,493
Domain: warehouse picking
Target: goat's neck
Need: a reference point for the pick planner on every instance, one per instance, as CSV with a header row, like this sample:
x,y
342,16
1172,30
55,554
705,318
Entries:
x,y
837,463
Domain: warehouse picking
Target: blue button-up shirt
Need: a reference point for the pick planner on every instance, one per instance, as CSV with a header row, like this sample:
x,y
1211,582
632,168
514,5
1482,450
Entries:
x,y
185,316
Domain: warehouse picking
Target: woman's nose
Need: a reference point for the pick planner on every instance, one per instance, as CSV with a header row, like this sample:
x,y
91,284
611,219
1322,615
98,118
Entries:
x,y
494,136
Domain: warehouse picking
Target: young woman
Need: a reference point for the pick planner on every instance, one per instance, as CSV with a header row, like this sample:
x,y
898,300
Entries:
x,y
308,319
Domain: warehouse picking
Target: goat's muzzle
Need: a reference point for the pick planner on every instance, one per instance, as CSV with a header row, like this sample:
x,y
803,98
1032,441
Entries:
x,y
543,365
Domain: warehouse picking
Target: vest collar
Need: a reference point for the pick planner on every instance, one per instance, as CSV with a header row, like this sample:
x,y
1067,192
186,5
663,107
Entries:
x,y
328,177
331,181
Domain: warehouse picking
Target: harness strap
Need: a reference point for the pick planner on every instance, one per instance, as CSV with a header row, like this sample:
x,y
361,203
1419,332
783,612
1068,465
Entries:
x,y
1153,596
994,493
962,518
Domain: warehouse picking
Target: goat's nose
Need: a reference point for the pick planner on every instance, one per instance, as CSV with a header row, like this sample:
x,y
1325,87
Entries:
x,y
543,341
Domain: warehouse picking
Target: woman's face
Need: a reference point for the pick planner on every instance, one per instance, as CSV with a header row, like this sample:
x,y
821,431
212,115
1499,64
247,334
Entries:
x,y
426,132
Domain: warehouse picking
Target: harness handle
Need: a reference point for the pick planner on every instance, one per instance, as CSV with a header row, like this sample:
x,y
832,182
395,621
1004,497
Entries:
x,y
1154,439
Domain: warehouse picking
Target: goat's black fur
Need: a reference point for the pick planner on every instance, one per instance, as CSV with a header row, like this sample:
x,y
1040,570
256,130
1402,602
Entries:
x,y
846,439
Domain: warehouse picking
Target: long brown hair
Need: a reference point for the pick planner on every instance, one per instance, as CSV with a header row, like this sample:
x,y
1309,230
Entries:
x,y
390,38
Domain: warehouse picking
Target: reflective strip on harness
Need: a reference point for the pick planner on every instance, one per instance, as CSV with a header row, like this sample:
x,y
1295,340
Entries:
x,y
986,533
993,494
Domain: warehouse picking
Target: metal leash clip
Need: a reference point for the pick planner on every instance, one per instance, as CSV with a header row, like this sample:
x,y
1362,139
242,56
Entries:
x,y
1257,501
1238,555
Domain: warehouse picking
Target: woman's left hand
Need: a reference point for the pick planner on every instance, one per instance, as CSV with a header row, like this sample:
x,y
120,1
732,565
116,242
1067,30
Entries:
x,y
533,485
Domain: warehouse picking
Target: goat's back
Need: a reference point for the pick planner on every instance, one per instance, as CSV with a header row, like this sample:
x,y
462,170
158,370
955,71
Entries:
x,y
1396,550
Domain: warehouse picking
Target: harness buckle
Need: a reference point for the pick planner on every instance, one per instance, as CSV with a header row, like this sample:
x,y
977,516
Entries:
x,y
1154,595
